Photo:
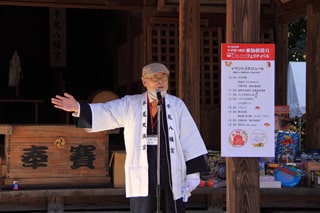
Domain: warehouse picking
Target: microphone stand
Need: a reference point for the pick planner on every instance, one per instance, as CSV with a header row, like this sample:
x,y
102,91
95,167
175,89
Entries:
x,y
158,156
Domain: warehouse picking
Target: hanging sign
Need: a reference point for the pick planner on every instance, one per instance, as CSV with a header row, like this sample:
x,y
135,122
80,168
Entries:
x,y
57,37
247,100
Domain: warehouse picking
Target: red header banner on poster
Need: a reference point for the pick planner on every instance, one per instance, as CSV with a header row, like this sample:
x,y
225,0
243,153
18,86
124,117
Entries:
x,y
248,52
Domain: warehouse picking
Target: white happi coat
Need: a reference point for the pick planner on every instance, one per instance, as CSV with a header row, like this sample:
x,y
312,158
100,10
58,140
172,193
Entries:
x,y
131,112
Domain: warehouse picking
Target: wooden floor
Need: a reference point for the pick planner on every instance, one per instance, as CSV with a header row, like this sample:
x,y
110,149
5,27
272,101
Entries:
x,y
188,211
108,200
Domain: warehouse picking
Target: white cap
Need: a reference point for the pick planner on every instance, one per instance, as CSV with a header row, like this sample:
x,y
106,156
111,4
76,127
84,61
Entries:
x,y
154,68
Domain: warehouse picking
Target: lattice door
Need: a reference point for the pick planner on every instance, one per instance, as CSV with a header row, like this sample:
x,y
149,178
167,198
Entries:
x,y
164,40
165,47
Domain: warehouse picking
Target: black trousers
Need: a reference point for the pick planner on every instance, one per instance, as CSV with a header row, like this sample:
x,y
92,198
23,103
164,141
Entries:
x,y
149,204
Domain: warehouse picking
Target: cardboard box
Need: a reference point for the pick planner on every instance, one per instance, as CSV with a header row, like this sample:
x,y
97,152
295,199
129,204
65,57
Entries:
x,y
312,166
270,184
118,159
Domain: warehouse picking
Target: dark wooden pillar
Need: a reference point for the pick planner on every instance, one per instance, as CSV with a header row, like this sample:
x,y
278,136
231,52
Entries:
x,y
313,77
281,63
189,56
243,193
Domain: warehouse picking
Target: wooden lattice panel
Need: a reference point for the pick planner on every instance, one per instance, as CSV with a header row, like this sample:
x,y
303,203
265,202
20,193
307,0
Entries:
x,y
211,39
165,48
164,40
267,36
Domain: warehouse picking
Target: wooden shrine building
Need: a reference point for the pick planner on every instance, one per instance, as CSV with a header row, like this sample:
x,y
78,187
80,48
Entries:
x,y
103,46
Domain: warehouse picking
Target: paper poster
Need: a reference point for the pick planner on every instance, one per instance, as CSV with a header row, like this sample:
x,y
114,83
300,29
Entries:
x,y
247,100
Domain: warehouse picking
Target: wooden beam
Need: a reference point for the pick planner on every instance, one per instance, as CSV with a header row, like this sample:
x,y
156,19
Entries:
x,y
87,4
5,129
313,78
281,32
189,55
294,9
243,26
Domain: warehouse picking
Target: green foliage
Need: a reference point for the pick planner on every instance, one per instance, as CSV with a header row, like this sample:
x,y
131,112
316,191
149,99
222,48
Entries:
x,y
297,52
299,125
297,39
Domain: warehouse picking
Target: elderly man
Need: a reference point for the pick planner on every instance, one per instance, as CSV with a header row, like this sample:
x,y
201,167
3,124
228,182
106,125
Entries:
x,y
181,146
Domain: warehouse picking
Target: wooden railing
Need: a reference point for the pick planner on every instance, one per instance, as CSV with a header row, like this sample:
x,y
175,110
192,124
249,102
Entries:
x,y
23,101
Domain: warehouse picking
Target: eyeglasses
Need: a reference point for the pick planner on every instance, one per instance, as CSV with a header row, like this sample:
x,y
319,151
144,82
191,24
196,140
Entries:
x,y
155,79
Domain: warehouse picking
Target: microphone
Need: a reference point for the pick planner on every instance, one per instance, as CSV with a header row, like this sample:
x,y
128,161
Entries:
x,y
159,96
